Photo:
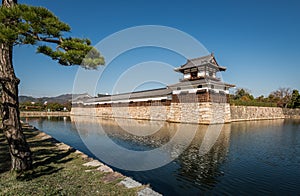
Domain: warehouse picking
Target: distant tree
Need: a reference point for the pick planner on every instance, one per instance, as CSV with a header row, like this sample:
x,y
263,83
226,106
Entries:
x,y
273,99
297,103
29,106
55,106
282,97
295,100
23,24
242,94
68,105
261,98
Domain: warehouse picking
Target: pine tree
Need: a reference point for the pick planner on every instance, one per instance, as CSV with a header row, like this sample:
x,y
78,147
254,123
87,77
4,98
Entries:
x,y
23,24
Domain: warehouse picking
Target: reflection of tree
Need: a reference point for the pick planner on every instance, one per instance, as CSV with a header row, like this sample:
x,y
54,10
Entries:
x,y
204,169
255,125
292,122
39,121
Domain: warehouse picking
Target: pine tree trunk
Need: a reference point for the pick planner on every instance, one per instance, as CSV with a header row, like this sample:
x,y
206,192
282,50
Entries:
x,y
19,150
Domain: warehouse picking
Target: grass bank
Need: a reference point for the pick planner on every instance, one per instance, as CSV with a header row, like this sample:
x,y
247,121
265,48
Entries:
x,y
57,171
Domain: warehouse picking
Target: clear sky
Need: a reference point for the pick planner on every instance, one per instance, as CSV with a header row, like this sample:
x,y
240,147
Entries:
x,y
257,40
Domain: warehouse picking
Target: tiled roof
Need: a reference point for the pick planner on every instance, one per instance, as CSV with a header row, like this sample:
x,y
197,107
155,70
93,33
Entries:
x,y
134,95
204,60
198,82
80,97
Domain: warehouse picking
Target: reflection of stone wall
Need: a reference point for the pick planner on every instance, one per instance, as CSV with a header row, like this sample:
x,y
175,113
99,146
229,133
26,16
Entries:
x,y
42,114
153,133
240,113
203,113
255,126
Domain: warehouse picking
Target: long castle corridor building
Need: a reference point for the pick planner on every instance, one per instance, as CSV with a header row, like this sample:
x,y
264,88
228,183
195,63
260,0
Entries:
x,y
199,97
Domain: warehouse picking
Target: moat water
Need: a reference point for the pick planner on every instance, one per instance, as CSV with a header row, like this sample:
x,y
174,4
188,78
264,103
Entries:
x,y
247,158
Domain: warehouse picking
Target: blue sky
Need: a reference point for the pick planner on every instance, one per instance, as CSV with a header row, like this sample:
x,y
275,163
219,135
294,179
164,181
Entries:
x,y
258,41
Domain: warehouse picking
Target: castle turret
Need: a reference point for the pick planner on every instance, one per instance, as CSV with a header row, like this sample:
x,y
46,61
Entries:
x,y
199,68
201,73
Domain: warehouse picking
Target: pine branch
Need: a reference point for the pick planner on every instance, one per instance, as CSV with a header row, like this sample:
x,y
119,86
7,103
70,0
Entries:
x,y
22,24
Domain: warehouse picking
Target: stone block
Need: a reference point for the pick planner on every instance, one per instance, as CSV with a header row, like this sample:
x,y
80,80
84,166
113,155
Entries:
x,y
130,183
93,163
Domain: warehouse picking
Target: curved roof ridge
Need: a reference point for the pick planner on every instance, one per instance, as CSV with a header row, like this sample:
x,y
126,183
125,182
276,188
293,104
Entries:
x,y
195,62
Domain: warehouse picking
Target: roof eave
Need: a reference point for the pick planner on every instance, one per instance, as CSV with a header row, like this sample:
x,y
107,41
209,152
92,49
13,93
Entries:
x,y
230,85
221,68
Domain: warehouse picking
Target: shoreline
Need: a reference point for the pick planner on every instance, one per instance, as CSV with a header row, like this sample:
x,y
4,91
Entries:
x,y
238,114
128,182
62,169
42,114
100,166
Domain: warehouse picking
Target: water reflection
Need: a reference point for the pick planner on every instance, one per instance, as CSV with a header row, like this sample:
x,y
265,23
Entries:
x,y
203,169
199,149
129,151
238,158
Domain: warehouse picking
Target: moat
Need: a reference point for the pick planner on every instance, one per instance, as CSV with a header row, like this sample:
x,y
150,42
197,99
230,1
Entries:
x,y
253,157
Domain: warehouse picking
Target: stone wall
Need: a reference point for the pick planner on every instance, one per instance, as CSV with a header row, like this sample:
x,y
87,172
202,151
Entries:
x,y
202,113
137,112
42,114
241,113
83,111
291,113
202,107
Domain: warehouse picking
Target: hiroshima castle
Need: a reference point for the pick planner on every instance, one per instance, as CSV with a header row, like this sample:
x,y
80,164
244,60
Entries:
x,y
199,97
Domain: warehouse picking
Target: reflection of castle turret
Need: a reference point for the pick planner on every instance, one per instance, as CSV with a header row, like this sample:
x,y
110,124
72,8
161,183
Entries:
x,y
196,150
203,169
198,138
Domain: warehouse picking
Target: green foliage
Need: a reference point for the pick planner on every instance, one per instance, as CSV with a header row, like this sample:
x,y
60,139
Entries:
x,y
253,103
23,24
282,97
244,98
242,94
279,98
55,107
38,106
75,52
295,100
28,106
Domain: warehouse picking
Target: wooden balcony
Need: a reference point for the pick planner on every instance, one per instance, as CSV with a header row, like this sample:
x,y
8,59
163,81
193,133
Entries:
x,y
199,78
